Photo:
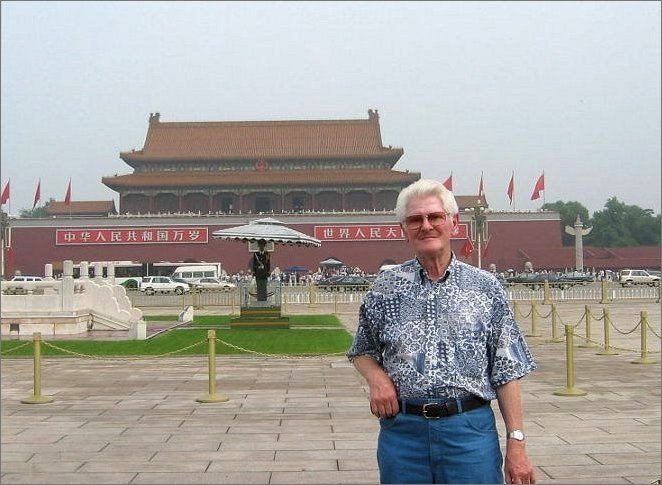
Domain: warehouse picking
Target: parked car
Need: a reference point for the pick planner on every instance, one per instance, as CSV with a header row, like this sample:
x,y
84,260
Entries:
x,y
162,284
212,284
637,277
182,281
344,283
537,280
577,277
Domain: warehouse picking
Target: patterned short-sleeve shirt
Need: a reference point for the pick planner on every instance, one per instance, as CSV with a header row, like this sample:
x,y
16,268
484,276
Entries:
x,y
451,338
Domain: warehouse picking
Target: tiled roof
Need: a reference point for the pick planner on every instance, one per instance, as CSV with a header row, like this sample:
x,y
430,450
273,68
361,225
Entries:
x,y
290,178
470,201
89,207
272,140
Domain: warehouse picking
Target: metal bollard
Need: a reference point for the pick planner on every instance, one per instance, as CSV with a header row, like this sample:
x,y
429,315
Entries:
x,y
589,320
607,328
36,397
311,295
212,396
644,358
555,332
570,389
604,296
534,323
546,297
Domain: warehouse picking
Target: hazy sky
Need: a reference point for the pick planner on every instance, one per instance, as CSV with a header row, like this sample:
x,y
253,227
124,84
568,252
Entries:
x,y
568,88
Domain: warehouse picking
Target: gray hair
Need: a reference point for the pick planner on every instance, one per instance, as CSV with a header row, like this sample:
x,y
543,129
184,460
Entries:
x,y
424,188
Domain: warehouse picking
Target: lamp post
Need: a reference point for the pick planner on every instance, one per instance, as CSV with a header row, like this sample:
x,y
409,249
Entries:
x,y
5,235
479,229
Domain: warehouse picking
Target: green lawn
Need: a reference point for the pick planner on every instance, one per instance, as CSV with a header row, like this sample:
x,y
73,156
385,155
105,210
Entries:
x,y
265,341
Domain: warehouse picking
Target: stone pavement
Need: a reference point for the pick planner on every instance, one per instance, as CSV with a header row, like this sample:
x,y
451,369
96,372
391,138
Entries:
x,y
291,421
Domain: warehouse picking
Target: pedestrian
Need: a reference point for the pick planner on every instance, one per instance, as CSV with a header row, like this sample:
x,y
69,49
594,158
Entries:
x,y
436,342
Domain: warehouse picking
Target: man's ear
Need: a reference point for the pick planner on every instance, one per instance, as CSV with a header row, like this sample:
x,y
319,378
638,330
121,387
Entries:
x,y
404,232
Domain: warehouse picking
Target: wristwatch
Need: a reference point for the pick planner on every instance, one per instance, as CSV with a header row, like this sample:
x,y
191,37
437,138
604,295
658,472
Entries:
x,y
516,434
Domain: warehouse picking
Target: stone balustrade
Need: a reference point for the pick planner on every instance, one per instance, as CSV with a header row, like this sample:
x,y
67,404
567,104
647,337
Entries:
x,y
68,306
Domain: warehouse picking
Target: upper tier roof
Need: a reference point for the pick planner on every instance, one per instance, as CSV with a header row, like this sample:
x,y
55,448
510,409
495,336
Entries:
x,y
271,140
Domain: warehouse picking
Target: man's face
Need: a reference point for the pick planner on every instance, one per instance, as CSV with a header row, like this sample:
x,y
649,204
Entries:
x,y
428,228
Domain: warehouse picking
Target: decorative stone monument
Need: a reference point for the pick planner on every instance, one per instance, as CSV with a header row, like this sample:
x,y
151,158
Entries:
x,y
579,232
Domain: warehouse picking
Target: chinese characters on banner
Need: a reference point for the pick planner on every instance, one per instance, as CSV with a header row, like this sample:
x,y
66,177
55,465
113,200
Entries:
x,y
370,232
141,235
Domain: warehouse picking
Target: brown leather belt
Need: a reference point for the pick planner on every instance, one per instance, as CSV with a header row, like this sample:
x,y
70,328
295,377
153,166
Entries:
x,y
439,410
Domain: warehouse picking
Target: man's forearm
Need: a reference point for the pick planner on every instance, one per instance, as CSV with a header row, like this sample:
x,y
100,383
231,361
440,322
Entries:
x,y
510,405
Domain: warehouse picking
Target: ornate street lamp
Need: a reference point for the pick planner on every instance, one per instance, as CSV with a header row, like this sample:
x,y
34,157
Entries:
x,y
479,228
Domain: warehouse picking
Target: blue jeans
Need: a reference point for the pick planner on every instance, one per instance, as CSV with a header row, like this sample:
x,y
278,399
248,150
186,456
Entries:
x,y
463,448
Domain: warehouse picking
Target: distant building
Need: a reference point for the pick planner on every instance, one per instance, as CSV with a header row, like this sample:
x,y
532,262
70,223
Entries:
x,y
331,179
88,208
240,167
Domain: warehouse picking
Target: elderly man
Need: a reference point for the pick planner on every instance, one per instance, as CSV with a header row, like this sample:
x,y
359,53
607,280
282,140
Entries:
x,y
436,342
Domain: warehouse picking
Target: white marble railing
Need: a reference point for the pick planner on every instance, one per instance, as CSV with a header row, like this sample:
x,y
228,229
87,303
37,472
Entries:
x,y
68,306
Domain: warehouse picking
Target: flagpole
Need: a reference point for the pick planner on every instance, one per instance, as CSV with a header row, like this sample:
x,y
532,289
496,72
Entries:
x,y
544,190
513,179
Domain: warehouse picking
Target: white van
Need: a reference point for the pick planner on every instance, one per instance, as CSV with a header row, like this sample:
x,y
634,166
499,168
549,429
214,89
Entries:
x,y
190,273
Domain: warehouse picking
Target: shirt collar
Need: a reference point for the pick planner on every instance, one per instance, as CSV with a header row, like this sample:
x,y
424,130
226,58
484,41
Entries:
x,y
423,274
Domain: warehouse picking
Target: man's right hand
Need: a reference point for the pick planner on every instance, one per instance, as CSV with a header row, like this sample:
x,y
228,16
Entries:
x,y
383,395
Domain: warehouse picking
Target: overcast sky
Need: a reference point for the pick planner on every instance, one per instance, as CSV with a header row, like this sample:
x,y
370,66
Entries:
x,y
568,88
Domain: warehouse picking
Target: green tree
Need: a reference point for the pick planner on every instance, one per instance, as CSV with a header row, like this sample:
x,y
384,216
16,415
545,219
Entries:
x,y
569,212
621,225
37,212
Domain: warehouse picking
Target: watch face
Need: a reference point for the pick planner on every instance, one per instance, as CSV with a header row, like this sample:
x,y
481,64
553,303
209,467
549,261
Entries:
x,y
516,435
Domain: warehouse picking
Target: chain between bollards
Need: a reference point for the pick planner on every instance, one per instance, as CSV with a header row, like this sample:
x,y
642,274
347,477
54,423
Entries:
x,y
36,397
644,358
570,389
212,396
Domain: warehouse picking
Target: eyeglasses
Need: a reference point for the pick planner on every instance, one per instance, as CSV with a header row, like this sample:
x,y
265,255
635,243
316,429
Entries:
x,y
435,219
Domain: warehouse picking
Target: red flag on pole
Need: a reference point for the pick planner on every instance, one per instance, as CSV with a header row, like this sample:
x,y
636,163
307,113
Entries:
x,y
37,195
9,256
487,244
467,247
540,186
67,197
448,183
511,188
481,191
5,193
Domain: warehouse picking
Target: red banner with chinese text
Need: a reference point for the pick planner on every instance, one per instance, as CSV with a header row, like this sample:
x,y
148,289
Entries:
x,y
370,232
141,235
